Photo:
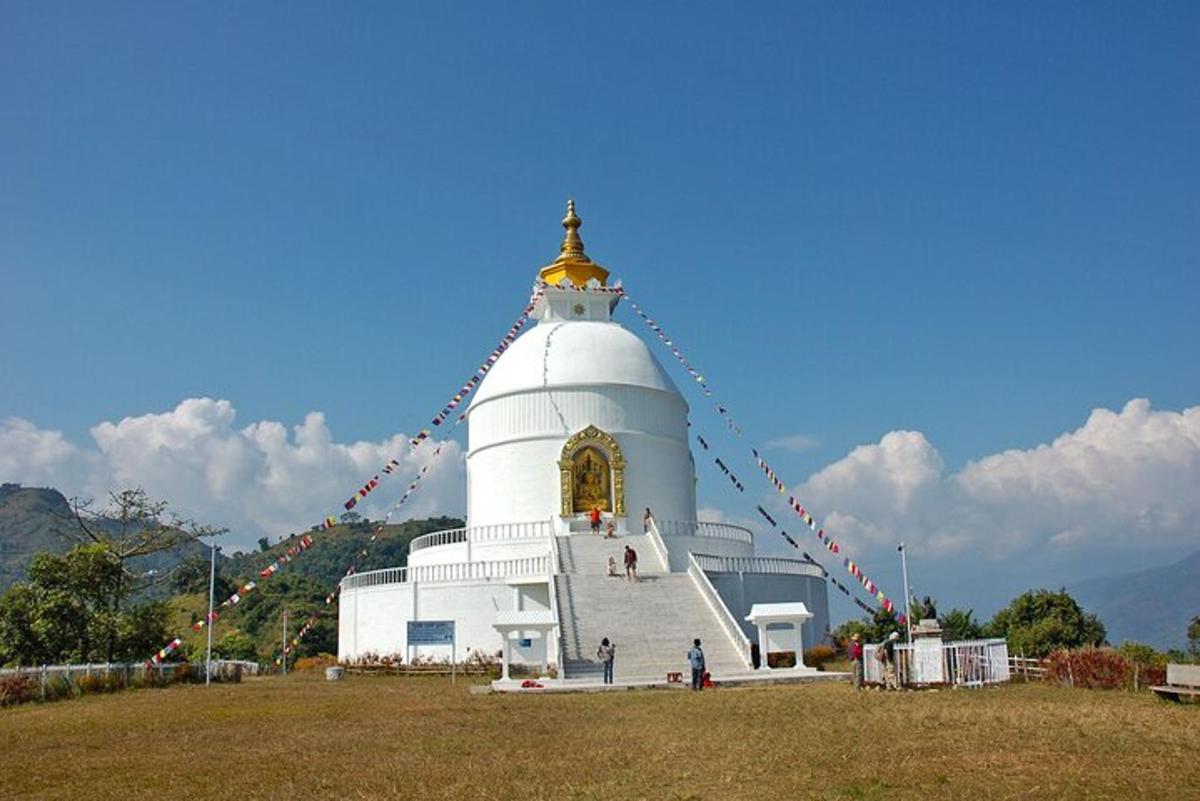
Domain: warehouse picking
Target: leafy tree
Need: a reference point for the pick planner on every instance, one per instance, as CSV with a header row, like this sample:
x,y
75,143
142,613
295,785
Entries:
x,y
133,526
192,577
63,612
1141,654
264,543
1193,635
142,630
960,624
1041,621
350,518
870,629
236,645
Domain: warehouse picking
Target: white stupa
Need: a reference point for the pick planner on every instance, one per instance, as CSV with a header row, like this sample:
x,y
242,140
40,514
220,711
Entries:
x,y
576,415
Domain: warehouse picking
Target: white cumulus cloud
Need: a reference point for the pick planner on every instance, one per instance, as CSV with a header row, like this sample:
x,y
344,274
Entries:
x,y
1121,476
262,478
38,456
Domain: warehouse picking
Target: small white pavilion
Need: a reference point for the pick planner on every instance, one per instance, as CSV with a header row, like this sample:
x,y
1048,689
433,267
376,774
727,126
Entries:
x,y
780,615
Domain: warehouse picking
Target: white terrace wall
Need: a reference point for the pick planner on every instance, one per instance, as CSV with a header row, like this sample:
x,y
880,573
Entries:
x,y
374,620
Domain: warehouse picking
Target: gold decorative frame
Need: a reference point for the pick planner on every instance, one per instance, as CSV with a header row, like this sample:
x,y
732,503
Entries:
x,y
566,466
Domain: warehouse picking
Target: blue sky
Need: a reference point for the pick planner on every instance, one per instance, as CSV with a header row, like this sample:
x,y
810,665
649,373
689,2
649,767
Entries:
x,y
971,221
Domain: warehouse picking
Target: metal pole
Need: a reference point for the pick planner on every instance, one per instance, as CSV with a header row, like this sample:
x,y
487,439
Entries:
x,y
284,660
212,575
907,594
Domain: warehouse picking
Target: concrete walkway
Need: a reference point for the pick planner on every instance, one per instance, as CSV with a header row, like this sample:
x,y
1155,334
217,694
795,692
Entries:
x,y
588,685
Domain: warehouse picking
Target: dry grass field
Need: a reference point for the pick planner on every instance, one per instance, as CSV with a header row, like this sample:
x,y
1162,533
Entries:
x,y
415,738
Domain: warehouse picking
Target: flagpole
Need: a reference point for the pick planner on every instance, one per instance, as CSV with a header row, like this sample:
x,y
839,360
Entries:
x,y
212,575
907,594
285,644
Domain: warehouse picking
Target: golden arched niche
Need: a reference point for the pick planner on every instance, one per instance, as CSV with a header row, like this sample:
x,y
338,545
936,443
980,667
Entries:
x,y
592,473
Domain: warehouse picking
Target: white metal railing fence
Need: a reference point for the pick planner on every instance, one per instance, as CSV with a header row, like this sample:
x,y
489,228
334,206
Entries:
x,y
741,642
455,571
127,672
104,669
657,544
492,533
692,528
756,564
963,663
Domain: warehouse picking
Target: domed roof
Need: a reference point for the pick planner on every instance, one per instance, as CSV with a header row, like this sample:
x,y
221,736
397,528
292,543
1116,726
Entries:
x,y
574,353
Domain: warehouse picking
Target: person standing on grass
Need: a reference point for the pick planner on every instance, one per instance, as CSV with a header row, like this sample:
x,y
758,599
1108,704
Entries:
x,y
887,655
856,659
630,564
605,653
696,660
594,516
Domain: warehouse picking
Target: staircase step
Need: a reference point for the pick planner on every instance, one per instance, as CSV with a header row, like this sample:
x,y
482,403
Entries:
x,y
651,622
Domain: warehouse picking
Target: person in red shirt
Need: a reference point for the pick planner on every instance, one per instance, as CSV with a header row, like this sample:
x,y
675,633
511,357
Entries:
x,y
856,658
594,516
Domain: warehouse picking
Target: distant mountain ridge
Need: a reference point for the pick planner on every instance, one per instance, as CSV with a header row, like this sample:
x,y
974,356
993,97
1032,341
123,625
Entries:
x,y
32,519
40,519
1150,606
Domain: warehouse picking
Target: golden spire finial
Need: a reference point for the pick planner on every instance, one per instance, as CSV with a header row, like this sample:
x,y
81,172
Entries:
x,y
572,263
572,246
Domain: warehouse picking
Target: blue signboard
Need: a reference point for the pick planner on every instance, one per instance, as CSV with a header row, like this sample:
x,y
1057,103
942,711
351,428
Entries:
x,y
431,632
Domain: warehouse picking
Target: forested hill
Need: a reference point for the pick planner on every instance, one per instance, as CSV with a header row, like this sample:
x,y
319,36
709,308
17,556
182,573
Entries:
x,y
337,548
32,519
251,629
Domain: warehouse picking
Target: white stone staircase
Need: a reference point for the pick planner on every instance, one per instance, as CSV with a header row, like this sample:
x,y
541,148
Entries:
x,y
652,622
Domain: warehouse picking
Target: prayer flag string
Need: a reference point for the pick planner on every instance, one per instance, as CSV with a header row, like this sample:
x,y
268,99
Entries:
x,y
388,469
807,557
884,602
678,354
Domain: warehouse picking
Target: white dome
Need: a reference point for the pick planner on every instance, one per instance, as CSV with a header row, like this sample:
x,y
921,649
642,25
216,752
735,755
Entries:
x,y
576,353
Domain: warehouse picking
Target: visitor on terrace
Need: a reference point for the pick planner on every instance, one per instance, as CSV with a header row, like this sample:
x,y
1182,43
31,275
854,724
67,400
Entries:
x,y
605,653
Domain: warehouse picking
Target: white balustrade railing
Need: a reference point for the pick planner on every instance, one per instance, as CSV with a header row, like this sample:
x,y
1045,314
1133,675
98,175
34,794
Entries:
x,y
456,571
493,533
692,528
447,537
962,663
756,564
656,542
741,642
554,610
511,531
